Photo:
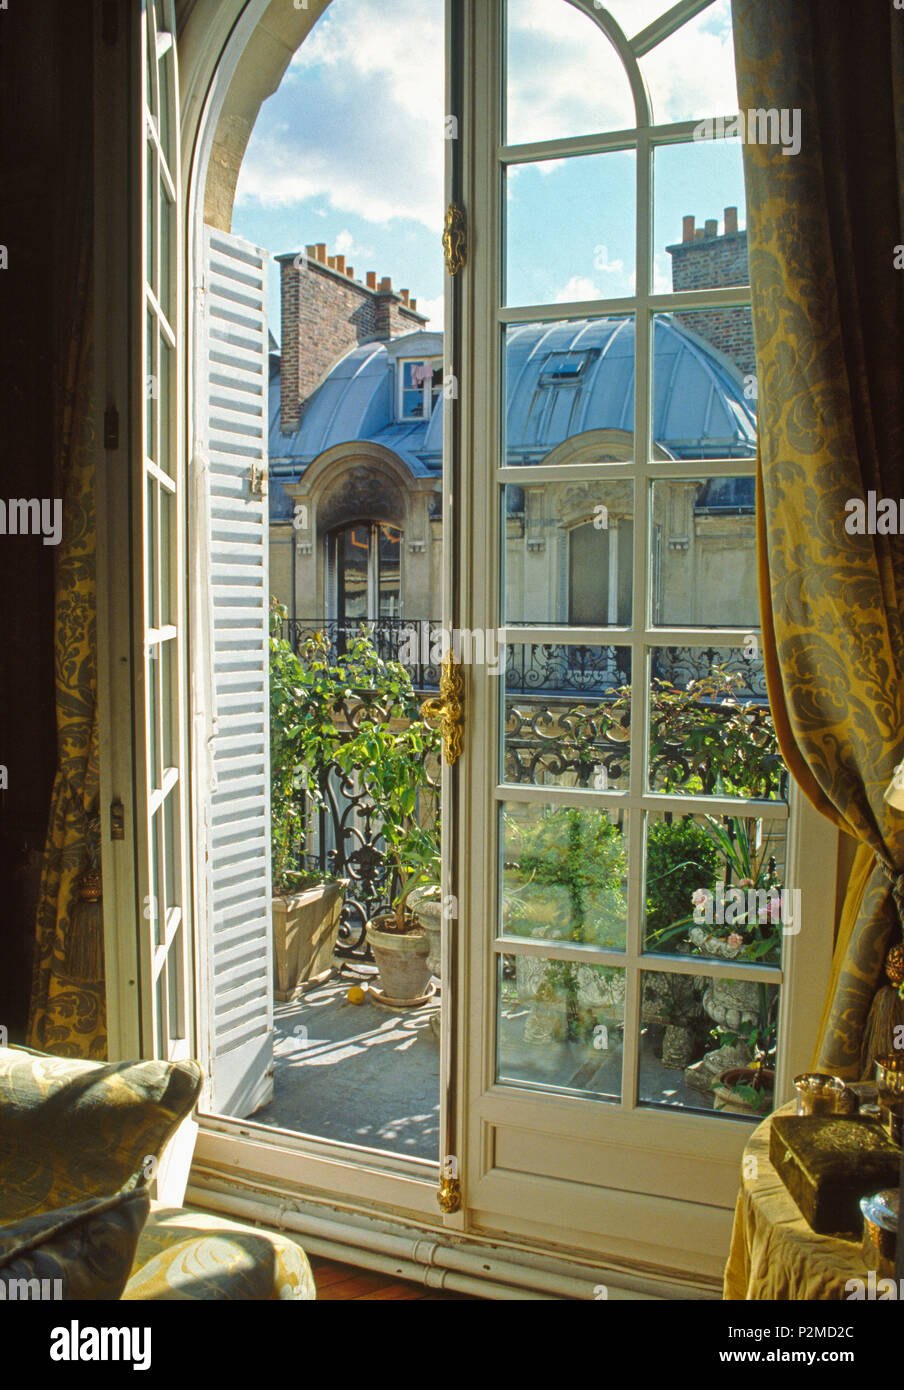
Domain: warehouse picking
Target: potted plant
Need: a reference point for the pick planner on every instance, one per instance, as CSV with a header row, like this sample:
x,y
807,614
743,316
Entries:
x,y
307,904
405,938
750,1090
357,716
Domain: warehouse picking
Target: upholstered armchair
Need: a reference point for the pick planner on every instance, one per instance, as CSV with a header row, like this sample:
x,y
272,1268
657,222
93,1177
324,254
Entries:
x,y
76,1138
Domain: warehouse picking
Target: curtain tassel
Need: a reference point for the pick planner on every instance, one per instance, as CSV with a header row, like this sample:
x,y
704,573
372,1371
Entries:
x,y
84,955
885,1021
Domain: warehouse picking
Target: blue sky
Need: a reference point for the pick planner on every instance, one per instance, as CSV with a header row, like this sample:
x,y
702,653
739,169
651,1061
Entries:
x,y
349,150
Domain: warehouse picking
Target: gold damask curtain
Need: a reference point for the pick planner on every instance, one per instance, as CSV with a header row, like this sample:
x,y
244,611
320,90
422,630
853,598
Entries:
x,y
67,1008
828,309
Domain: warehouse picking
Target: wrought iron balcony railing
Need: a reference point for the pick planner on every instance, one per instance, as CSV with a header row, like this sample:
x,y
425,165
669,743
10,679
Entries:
x,y
541,668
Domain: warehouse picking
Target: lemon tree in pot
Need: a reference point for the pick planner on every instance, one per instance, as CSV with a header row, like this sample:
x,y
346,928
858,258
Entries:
x,y
402,938
354,715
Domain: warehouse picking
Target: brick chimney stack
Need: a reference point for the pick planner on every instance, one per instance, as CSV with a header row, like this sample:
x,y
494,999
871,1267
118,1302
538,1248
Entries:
x,y
325,312
704,259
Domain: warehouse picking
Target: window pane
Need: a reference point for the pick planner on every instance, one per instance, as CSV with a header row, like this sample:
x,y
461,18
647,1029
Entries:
x,y
716,886
151,217
564,873
167,234
569,391
567,716
168,675
704,384
151,386
711,730
692,72
167,551
170,815
390,552
564,77
353,547
703,552
167,423
694,1030
414,375
561,1025
709,248
153,696
568,553
175,973
151,550
570,229
159,877
165,97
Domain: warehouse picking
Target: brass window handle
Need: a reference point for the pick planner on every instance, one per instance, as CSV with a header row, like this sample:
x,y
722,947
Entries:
x,y
448,709
455,239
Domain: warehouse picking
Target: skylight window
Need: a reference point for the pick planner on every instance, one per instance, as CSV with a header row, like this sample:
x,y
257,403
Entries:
x,y
564,368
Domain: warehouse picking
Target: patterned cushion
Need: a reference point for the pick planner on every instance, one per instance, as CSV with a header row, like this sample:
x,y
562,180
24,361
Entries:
x,y
193,1254
88,1248
73,1129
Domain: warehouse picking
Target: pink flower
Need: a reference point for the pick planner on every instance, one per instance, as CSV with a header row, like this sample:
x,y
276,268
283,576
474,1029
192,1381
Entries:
x,y
700,897
735,940
745,882
772,912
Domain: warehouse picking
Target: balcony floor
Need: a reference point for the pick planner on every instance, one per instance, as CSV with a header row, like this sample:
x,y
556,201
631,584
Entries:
x,y
356,1073
360,1074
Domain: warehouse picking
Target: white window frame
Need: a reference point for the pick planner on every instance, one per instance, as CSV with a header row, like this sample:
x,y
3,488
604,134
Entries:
x,y
500,1117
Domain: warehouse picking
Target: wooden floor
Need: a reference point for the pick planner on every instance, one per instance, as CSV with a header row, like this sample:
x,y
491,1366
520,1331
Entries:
x,y
336,1281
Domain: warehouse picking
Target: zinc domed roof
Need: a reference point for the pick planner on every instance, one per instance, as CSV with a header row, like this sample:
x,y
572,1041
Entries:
x,y
563,379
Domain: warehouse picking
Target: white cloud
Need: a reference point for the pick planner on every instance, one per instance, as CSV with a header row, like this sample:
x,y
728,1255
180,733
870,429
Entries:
x,y
344,243
433,308
564,79
365,133
662,273
579,287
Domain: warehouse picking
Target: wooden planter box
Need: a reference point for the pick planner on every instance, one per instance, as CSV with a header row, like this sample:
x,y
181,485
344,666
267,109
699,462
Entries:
x,y
305,931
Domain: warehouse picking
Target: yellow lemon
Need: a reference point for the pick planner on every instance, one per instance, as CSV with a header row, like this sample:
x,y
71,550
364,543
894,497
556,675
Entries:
x,y
355,995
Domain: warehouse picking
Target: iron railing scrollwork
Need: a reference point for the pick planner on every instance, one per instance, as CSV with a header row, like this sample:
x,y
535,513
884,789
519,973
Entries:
x,y
567,723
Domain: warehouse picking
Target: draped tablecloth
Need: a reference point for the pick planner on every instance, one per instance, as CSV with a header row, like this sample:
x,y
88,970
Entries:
x,y
774,1253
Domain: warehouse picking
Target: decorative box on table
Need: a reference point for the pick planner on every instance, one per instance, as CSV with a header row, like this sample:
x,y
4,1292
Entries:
x,y
829,1163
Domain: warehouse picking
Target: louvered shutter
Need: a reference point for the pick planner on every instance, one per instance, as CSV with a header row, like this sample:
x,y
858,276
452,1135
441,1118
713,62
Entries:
x,y
236,821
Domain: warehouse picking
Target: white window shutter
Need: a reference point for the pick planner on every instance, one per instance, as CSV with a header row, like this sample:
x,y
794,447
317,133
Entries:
x,y
235,824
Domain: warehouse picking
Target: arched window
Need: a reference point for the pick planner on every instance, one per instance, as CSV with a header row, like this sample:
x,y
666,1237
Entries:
x,y
570,1107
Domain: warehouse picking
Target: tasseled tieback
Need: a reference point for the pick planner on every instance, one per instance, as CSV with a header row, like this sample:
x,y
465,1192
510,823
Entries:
x,y
896,882
886,1015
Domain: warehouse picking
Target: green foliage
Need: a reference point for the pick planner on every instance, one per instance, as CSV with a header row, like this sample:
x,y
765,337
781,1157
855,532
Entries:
x,y
286,774
702,738
568,864
357,713
681,858
564,880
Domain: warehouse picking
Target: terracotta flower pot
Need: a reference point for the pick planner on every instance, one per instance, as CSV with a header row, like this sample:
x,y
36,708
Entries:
x,y
726,1098
401,959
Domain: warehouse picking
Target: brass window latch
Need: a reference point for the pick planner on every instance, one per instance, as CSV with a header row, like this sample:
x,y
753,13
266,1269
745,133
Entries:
x,y
257,480
448,709
448,1195
455,239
